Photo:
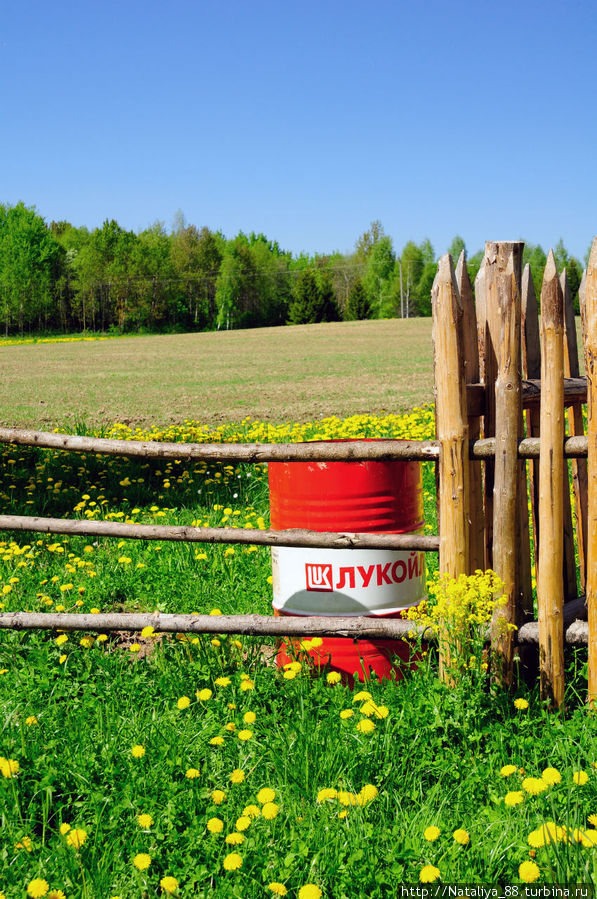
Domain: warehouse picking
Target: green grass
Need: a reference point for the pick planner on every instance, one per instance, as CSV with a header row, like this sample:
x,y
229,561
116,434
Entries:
x,y
435,759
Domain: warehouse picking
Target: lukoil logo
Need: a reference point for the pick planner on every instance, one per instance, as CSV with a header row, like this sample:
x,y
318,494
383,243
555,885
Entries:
x,y
319,577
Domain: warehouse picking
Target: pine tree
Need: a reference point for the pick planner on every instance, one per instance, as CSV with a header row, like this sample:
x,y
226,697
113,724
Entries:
x,y
357,306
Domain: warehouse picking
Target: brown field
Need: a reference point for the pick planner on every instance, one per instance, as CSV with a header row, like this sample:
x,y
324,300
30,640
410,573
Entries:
x,y
293,373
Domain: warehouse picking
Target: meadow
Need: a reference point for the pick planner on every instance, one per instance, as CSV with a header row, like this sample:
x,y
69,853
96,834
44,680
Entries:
x,y
138,765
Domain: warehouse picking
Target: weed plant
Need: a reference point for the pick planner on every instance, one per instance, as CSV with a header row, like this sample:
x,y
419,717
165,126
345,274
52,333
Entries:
x,y
145,765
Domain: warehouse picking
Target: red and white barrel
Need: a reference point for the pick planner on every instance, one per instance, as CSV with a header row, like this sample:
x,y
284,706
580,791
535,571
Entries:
x,y
348,497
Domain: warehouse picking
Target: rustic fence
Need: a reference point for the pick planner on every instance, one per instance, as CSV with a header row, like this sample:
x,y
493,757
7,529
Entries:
x,y
495,376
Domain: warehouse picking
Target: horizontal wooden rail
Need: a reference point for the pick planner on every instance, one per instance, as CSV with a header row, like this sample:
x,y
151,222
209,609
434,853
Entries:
x,y
317,451
345,451
575,391
247,625
180,533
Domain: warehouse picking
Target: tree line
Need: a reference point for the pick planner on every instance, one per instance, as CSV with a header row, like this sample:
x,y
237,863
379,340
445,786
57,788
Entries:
x,y
64,278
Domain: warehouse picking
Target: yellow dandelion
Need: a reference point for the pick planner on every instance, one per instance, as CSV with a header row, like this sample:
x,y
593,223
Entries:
x,y
237,776
515,797
369,792
361,696
580,778
76,837
37,887
249,717
215,825
184,702
309,891
169,884
144,820
252,811
278,889
521,704
366,726
218,797
217,741
243,822
429,874
431,833
142,861
192,773
204,695
31,720
245,735
334,677
266,794
235,839
461,836
222,681
534,785
64,828
346,713
551,776
138,751
327,793
269,811
528,872
232,862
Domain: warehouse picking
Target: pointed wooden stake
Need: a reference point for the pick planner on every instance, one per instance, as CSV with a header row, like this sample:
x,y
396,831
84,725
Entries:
x,y
550,586
502,357
575,428
471,375
590,306
531,368
451,421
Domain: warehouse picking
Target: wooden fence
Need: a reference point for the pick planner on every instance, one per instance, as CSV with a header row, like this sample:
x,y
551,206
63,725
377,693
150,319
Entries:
x,y
496,376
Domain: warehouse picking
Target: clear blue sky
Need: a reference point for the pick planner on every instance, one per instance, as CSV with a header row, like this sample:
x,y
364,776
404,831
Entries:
x,y
306,120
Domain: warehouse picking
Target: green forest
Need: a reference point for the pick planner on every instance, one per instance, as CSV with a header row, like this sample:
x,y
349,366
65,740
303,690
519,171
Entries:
x,y
58,277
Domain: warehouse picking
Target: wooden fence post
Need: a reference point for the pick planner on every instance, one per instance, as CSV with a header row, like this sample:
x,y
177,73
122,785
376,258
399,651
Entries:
x,y
575,428
531,368
502,351
590,306
471,376
550,581
451,422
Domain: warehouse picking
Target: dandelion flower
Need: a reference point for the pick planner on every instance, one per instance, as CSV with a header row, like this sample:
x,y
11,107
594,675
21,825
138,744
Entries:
x,y
266,794
461,836
192,773
580,778
528,872
278,889
592,819
76,837
144,821
56,894
237,776
269,811
534,785
515,797
37,888
204,695
361,696
9,767
251,811
431,833
243,822
366,726
169,884
521,704
59,641
369,792
327,793
247,684
64,828
309,891
142,861
245,735
249,717
346,713
184,702
215,825
138,751
507,770
551,776
31,720
218,797
148,631
135,647
333,677
232,861
235,839
428,874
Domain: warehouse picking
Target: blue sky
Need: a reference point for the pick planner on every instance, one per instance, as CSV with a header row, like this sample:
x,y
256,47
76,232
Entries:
x,y
306,120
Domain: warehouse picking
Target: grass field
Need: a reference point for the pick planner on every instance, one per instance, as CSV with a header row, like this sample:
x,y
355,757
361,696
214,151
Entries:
x,y
294,373
137,765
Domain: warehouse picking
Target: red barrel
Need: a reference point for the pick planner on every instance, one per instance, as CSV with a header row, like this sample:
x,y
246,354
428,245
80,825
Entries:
x,y
369,497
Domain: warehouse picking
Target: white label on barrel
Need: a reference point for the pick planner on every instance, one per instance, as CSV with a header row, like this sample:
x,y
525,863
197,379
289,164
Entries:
x,y
346,581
